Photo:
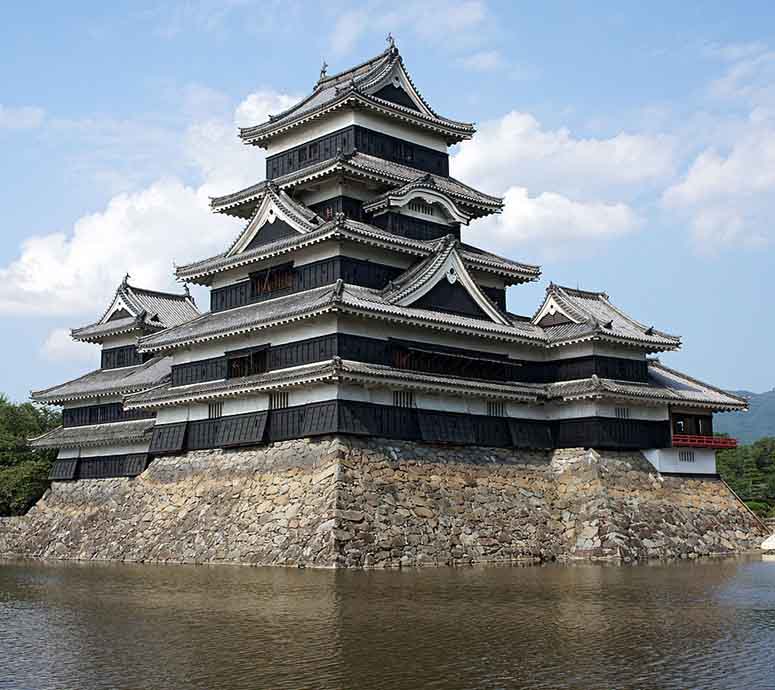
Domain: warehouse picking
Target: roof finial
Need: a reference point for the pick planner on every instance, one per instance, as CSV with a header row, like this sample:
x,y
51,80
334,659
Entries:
x,y
323,69
186,290
390,41
125,282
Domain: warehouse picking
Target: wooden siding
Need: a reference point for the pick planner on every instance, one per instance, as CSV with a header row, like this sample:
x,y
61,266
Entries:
x,y
316,274
117,357
168,438
102,414
451,298
412,424
99,467
327,210
421,357
414,228
348,139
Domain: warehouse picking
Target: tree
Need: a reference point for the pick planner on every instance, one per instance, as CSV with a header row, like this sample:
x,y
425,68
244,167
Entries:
x,y
23,472
750,471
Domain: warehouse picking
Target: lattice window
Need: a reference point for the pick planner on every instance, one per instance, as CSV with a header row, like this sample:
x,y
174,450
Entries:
x,y
419,206
247,363
496,408
215,410
271,280
622,412
686,456
403,399
278,400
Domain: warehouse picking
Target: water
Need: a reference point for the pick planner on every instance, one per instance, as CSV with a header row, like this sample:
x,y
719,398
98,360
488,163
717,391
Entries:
x,y
88,627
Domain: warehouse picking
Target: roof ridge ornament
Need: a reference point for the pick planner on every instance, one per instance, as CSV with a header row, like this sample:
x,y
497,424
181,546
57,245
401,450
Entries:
x,y
125,281
323,69
391,41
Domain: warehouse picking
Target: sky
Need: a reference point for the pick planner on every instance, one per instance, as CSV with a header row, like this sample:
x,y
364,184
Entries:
x,y
634,144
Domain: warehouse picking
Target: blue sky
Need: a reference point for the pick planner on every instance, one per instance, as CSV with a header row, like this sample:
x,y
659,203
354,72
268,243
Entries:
x,y
634,143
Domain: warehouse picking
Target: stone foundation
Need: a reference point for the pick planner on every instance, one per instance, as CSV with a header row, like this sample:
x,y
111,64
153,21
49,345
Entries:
x,y
352,502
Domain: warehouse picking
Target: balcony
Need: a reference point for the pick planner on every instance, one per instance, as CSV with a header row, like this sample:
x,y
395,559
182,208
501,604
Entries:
x,y
693,441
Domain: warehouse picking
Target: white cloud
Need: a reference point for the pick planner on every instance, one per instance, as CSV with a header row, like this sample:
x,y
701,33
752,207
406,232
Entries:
x,y
483,61
25,117
516,149
60,347
552,224
143,232
258,106
730,198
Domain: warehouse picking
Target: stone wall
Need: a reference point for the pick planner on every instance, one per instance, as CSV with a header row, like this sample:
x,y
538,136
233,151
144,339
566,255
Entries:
x,y
351,502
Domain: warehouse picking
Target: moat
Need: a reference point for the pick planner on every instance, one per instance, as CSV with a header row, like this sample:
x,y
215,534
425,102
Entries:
x,y
707,624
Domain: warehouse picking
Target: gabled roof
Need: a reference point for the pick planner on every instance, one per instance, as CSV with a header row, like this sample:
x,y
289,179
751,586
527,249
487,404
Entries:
x,y
444,264
664,385
570,315
135,308
135,431
337,298
107,382
363,86
365,166
343,228
424,188
275,205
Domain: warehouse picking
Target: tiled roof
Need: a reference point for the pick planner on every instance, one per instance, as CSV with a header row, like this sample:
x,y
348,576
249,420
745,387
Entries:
x,y
595,316
663,385
283,378
359,84
339,297
358,164
253,317
104,382
346,229
148,310
95,435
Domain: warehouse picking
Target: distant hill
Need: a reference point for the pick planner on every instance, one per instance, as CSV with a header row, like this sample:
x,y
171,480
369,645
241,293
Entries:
x,y
750,426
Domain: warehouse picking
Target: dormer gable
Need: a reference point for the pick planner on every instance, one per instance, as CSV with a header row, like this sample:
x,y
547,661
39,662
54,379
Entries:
x,y
421,197
552,313
276,216
396,87
442,283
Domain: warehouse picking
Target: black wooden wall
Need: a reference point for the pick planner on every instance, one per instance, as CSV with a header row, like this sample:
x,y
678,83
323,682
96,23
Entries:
x,y
422,357
316,274
354,137
369,419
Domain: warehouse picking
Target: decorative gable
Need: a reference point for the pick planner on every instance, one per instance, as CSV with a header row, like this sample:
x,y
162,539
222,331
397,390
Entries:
x,y
396,87
552,313
277,216
443,283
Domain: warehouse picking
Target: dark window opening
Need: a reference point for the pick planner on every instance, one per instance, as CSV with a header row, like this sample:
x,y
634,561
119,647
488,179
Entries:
x,y
271,280
435,362
246,363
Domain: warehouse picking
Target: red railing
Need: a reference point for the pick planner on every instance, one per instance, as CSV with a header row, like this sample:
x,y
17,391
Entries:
x,y
703,441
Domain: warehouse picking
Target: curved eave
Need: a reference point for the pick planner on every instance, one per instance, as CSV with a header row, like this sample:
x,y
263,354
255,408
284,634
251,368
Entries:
x,y
453,132
54,399
652,401
648,345
229,332
82,335
49,440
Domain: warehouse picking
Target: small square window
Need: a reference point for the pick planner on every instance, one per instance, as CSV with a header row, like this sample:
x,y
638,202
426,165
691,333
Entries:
x,y
403,399
215,410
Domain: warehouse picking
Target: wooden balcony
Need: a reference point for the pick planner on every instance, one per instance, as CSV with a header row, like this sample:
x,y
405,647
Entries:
x,y
693,441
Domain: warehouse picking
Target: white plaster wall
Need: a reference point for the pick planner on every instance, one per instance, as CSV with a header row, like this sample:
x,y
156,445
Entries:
x,y
119,340
102,400
669,460
276,336
342,119
98,451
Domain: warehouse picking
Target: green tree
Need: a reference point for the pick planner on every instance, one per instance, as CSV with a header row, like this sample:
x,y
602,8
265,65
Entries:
x,y
23,472
750,471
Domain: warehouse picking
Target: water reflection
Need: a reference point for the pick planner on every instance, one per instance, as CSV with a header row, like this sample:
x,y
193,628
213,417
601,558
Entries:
x,y
703,625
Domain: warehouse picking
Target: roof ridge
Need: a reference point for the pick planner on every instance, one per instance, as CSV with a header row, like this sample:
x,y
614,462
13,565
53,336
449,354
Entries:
x,y
338,76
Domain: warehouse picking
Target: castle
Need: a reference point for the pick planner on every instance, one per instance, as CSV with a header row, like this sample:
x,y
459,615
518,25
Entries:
x,y
349,306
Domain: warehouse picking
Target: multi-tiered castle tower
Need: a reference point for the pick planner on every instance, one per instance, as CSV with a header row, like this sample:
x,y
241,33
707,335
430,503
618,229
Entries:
x,y
348,304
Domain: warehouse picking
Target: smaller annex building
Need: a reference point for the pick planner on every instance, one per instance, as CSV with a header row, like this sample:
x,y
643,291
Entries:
x,y
349,303
99,437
